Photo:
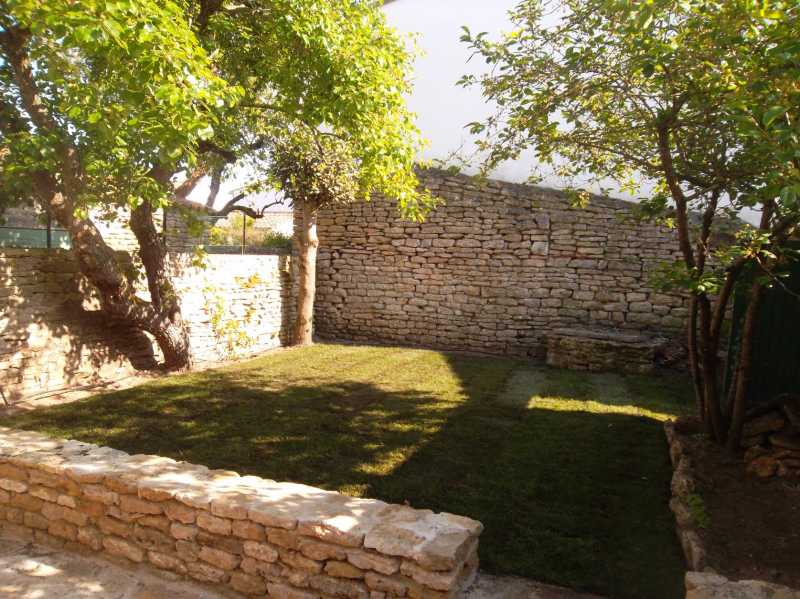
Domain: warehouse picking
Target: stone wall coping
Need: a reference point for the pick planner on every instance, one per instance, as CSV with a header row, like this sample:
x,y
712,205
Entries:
x,y
434,542
615,335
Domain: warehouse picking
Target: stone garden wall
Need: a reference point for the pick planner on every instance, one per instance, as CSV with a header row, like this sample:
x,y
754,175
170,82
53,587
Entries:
x,y
494,268
254,535
53,336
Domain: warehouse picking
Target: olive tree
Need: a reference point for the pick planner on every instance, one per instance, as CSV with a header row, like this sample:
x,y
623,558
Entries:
x,y
693,105
131,104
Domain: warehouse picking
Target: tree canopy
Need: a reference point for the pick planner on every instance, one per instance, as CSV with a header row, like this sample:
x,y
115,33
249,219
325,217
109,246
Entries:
x,y
109,104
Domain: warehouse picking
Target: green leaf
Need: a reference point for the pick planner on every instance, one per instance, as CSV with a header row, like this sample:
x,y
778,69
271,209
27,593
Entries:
x,y
772,114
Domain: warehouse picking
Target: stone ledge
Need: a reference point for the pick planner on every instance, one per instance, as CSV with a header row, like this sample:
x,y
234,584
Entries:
x,y
257,536
602,349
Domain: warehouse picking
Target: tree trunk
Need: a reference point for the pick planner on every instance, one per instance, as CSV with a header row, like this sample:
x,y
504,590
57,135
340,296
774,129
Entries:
x,y
59,193
694,360
168,326
307,243
710,373
744,366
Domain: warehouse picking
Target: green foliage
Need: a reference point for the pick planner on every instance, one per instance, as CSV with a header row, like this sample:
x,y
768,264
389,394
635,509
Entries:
x,y
275,240
322,66
141,89
697,508
126,83
703,92
229,232
314,169
229,328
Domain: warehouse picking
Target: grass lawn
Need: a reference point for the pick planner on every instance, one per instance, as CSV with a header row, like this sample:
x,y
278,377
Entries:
x,y
568,471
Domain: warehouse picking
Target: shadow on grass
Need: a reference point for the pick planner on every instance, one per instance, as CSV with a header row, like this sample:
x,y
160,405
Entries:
x,y
569,472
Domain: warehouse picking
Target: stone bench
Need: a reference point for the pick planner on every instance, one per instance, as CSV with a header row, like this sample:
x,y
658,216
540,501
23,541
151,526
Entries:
x,y
257,536
602,350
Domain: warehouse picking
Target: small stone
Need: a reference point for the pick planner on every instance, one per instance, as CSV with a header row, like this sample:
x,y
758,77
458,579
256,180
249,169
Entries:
x,y
220,526
44,493
260,551
16,486
100,494
10,472
373,561
389,584
123,548
53,511
226,543
298,561
187,550
248,530
248,584
161,523
111,526
150,537
29,503
90,537
183,532
338,530
206,572
155,494
130,503
179,512
263,569
234,508
220,559
438,581
321,551
284,538
166,562
343,570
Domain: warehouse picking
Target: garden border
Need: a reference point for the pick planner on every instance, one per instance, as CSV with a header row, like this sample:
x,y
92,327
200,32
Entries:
x,y
701,581
255,535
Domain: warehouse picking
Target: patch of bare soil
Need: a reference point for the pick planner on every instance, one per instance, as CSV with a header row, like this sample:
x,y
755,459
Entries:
x,y
753,528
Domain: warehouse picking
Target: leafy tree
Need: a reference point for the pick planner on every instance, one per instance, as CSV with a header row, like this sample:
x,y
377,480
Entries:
x,y
107,104
314,171
695,105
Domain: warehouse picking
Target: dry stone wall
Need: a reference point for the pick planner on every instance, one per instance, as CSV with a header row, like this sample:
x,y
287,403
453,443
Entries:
x,y
494,269
53,335
257,536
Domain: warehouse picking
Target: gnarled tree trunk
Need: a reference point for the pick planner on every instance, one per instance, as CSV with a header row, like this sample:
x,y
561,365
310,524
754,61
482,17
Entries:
x,y
167,325
306,242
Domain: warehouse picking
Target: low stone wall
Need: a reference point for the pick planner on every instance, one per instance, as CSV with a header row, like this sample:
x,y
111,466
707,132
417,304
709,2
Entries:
x,y
708,585
53,335
683,487
257,536
602,350
494,269
702,582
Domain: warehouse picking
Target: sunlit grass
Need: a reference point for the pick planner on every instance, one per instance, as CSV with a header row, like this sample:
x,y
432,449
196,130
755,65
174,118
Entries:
x,y
568,471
